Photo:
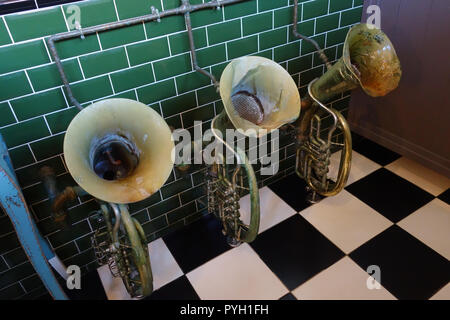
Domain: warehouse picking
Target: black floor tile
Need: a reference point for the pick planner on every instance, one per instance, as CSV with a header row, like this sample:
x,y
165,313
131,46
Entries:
x,y
295,251
91,288
292,190
373,151
445,196
408,268
179,289
389,194
197,243
288,296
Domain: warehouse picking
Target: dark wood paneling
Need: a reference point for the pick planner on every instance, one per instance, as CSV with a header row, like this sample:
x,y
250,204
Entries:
x,y
414,120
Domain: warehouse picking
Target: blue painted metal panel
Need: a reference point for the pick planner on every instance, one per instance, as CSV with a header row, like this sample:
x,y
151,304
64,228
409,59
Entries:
x,y
35,246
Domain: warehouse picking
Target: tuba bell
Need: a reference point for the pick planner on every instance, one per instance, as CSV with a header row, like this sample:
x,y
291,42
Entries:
x,y
369,61
258,96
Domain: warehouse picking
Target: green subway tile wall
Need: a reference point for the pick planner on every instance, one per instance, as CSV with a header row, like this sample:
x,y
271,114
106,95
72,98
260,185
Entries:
x,y
150,63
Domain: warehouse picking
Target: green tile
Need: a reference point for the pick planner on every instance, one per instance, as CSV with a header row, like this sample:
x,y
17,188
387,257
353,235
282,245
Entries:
x,y
179,42
48,76
264,5
124,95
4,36
59,121
309,75
305,28
336,37
211,55
21,156
75,47
283,17
24,55
117,37
208,94
289,51
327,23
205,17
132,78
330,53
15,257
48,147
351,16
167,25
24,132
358,2
191,81
137,206
11,292
307,47
147,51
38,104
224,31
15,274
175,187
163,207
181,213
204,113
257,23
63,236
172,66
94,12
35,24
338,5
135,8
154,225
178,104
300,64
157,91
242,47
240,9
6,115
272,38
217,70
30,174
192,194
315,8
265,54
66,250
104,62
92,89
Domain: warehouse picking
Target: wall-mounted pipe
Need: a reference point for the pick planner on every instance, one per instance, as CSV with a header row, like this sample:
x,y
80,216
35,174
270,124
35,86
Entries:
x,y
185,8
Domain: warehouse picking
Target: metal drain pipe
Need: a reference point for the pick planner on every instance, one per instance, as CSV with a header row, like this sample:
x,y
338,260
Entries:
x,y
185,9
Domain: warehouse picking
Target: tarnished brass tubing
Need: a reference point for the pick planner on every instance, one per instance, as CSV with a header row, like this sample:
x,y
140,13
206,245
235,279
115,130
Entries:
x,y
58,199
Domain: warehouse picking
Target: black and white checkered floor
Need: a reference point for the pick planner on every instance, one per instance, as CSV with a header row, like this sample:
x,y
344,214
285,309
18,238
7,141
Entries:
x,y
394,214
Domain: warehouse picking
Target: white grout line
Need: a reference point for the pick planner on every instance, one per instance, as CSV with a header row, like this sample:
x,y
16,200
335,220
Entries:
x,y
9,32
29,81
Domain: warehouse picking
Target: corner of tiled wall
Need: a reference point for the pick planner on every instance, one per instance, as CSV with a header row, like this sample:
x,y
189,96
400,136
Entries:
x,y
150,63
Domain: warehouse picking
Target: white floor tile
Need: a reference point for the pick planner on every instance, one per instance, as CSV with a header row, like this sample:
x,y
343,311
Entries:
x,y
273,209
345,220
431,225
361,166
443,294
238,274
164,269
344,280
421,176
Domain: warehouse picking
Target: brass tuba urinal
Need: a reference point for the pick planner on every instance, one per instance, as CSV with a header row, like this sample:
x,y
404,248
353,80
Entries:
x,y
369,60
258,96
118,151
